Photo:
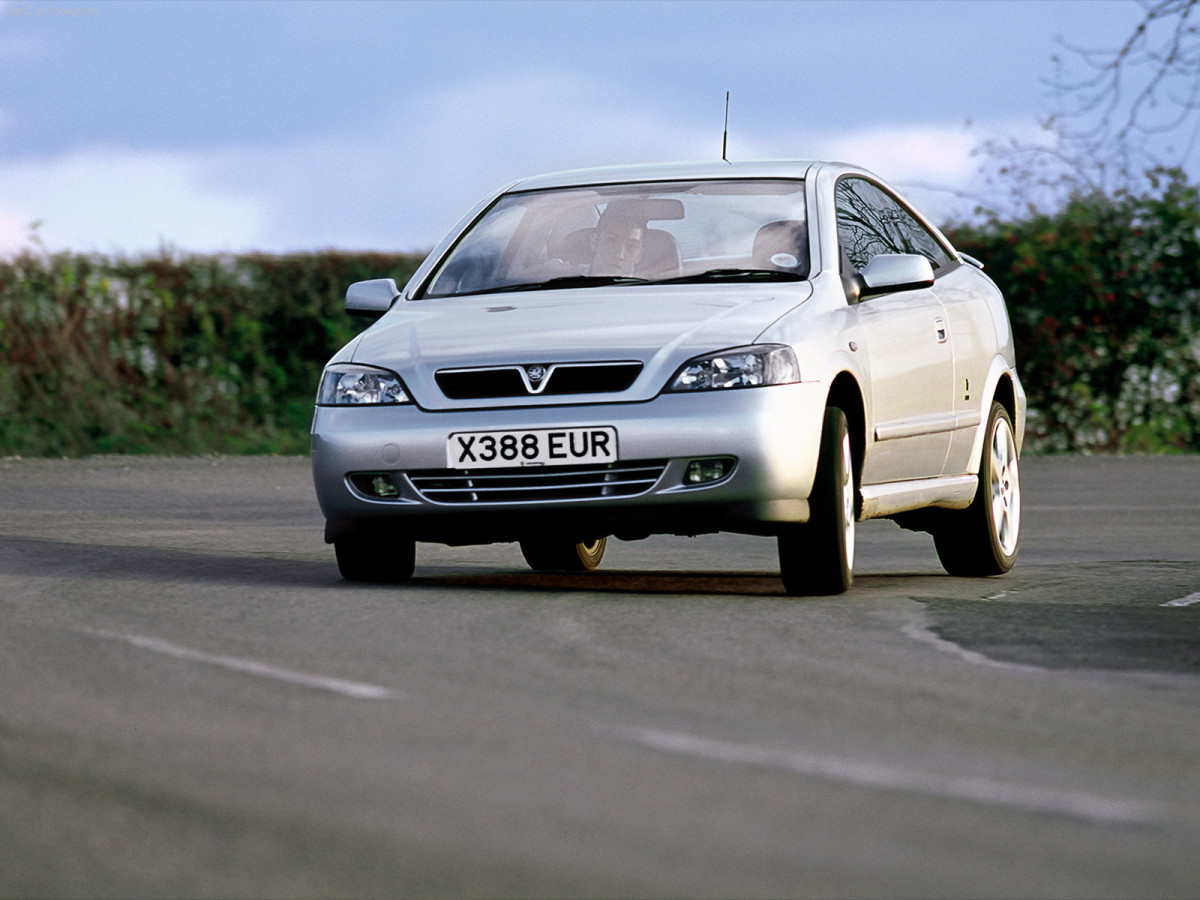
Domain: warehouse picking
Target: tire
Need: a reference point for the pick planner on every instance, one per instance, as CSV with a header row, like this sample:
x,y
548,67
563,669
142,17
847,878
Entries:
x,y
388,561
984,538
558,555
817,558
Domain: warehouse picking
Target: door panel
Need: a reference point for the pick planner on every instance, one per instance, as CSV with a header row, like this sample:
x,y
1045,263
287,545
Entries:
x,y
909,338
912,379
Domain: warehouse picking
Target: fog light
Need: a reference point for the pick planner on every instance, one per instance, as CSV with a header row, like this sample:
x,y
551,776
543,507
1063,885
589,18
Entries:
x,y
704,471
383,487
376,484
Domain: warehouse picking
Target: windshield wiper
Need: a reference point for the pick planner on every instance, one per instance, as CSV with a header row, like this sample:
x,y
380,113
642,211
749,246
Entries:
x,y
561,282
565,282
734,275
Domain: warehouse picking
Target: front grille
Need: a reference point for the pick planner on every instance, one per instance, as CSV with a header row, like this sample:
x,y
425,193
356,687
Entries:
x,y
481,385
538,484
560,378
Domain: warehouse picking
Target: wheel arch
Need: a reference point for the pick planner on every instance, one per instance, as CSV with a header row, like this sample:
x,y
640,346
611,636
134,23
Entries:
x,y
1003,387
846,395
1006,396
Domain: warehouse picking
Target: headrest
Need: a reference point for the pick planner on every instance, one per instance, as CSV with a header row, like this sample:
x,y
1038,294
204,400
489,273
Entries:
x,y
782,246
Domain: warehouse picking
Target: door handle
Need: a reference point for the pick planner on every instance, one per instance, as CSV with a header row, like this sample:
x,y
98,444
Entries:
x,y
940,327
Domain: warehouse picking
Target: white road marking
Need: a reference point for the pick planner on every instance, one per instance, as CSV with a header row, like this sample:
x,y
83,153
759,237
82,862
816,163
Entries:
x,y
1119,507
1092,808
1189,600
355,689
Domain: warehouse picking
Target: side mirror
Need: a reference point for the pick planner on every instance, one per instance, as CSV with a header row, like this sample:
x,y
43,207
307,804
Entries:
x,y
896,272
371,298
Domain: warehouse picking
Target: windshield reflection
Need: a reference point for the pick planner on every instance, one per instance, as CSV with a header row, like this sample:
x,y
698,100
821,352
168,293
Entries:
x,y
682,232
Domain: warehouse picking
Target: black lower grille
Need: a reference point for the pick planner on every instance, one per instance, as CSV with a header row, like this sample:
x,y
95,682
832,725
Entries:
x,y
538,484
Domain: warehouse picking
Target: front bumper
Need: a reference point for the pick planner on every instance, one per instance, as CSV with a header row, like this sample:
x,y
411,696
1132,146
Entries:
x,y
773,433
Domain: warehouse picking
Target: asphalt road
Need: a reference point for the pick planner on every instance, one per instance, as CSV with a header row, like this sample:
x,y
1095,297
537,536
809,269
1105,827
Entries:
x,y
192,703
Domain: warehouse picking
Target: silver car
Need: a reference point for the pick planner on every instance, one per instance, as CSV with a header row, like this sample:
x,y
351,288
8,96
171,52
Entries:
x,y
777,349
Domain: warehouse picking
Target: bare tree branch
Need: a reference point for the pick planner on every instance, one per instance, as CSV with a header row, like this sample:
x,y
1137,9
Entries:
x,y
1147,87
1119,116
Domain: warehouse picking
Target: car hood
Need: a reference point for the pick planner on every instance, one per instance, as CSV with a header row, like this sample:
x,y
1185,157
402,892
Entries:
x,y
659,327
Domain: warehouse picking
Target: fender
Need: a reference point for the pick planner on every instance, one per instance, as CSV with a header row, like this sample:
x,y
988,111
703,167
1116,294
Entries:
x,y
999,369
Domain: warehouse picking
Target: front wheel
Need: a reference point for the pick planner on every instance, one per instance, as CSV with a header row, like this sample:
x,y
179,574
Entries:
x,y
817,558
983,539
557,554
376,560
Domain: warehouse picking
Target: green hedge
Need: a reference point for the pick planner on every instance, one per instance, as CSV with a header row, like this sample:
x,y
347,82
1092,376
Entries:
x,y
1104,298
164,355
221,354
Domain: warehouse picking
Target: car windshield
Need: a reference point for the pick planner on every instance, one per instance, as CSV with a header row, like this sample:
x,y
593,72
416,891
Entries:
x,y
689,232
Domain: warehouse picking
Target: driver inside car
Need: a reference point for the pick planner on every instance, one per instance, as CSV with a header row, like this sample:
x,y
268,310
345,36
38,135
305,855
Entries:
x,y
619,242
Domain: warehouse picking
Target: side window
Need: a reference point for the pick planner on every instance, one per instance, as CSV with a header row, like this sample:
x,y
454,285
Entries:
x,y
871,221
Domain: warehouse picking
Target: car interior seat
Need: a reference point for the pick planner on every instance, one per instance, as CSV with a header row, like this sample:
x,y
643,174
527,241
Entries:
x,y
782,247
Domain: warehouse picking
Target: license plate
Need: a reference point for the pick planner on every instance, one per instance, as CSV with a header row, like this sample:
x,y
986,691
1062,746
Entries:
x,y
536,447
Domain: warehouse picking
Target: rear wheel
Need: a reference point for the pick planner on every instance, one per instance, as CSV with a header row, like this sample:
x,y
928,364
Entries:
x,y
377,560
817,558
983,538
557,554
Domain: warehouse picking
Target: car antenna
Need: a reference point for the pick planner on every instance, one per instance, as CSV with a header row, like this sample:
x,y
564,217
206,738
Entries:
x,y
725,135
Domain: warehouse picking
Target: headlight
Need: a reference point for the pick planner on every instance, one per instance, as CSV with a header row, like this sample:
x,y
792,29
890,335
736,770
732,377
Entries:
x,y
740,367
347,385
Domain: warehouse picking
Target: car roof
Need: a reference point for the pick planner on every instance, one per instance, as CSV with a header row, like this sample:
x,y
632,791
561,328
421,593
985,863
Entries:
x,y
674,172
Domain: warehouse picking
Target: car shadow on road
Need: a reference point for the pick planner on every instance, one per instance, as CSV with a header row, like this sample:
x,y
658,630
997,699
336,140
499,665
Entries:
x,y
617,581
38,557
757,584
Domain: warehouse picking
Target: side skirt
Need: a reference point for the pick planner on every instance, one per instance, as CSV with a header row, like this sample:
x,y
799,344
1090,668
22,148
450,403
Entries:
x,y
953,492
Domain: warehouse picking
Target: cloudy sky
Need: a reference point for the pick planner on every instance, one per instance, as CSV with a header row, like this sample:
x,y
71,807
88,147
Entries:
x,y
279,126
